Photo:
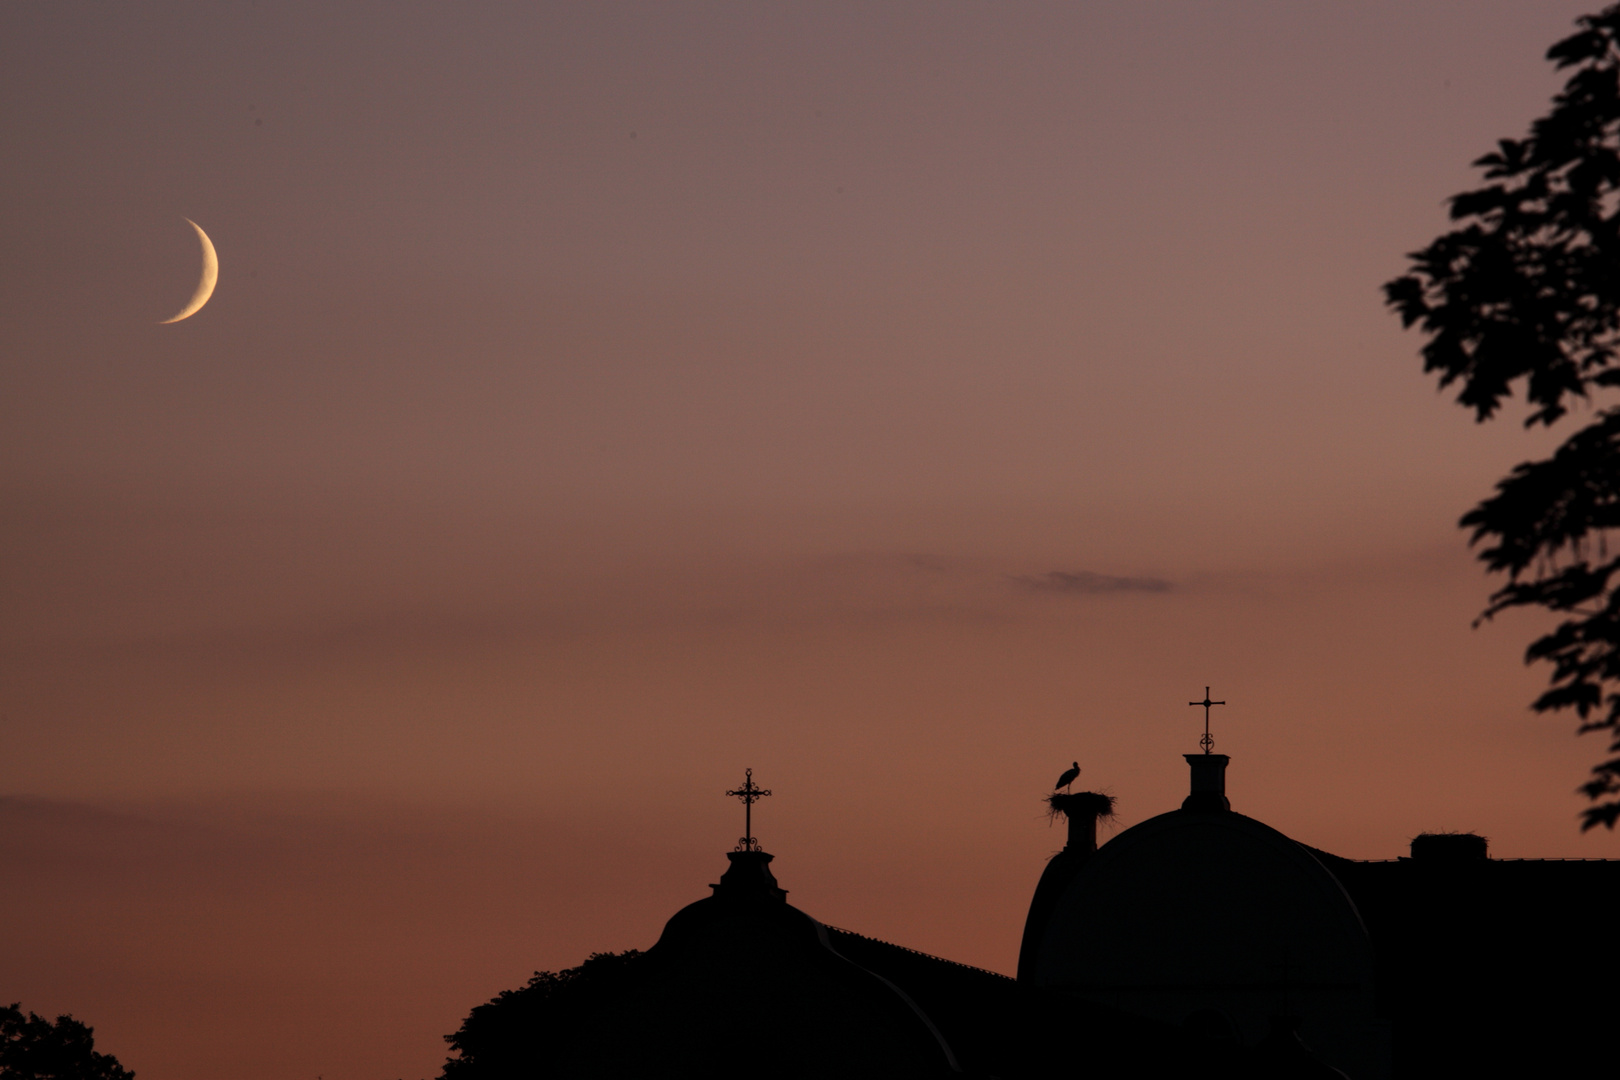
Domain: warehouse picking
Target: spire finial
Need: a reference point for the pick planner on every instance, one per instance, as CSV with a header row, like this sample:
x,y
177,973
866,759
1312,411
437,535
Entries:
x,y
749,793
1207,742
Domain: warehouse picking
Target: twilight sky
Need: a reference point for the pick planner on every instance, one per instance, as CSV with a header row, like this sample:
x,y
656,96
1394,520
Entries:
x,y
901,400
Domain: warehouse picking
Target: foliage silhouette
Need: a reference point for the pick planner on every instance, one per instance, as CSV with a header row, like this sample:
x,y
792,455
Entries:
x,y
1527,289
532,1032
33,1048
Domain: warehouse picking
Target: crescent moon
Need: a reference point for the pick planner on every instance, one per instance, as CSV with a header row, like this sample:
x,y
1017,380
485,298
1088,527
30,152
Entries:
x,y
210,277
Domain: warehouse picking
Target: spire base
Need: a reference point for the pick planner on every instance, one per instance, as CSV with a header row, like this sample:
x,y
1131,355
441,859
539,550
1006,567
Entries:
x,y
1208,783
749,878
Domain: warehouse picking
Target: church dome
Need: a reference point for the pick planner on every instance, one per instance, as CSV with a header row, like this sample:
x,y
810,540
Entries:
x,y
744,981
1203,909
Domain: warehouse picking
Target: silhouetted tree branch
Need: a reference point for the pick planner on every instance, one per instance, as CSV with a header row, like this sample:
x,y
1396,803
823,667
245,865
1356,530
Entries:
x,y
1527,290
33,1048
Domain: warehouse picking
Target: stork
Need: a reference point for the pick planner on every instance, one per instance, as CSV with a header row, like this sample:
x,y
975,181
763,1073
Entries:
x,y
1068,777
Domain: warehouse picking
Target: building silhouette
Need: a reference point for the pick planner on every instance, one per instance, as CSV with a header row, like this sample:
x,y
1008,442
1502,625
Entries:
x,y
1210,919
1198,943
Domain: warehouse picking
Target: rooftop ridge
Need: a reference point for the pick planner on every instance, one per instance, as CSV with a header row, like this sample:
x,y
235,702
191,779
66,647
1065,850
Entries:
x,y
918,952
1493,858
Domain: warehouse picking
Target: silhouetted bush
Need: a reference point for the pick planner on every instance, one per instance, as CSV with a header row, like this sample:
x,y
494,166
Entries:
x,y
529,1032
33,1048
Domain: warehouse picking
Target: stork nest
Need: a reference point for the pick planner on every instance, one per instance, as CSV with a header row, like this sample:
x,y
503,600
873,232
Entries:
x,y
1081,804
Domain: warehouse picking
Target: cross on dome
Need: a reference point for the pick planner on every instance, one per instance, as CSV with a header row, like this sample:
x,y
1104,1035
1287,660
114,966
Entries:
x,y
1207,742
749,793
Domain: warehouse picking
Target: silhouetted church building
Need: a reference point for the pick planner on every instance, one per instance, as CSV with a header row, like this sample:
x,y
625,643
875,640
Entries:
x,y
1198,943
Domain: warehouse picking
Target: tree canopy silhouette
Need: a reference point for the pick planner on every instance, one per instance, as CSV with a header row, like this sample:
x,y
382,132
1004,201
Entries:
x,y
535,1031
33,1048
1526,291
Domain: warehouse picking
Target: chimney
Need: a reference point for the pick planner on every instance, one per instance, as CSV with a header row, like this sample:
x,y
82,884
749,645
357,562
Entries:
x,y
1450,848
1082,833
1208,782
1083,808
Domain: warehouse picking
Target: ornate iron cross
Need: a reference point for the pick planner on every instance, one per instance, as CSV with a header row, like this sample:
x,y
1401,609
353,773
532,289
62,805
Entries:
x,y
1206,742
750,793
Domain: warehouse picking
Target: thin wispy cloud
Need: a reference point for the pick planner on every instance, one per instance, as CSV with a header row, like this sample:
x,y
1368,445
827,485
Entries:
x,y
1088,583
